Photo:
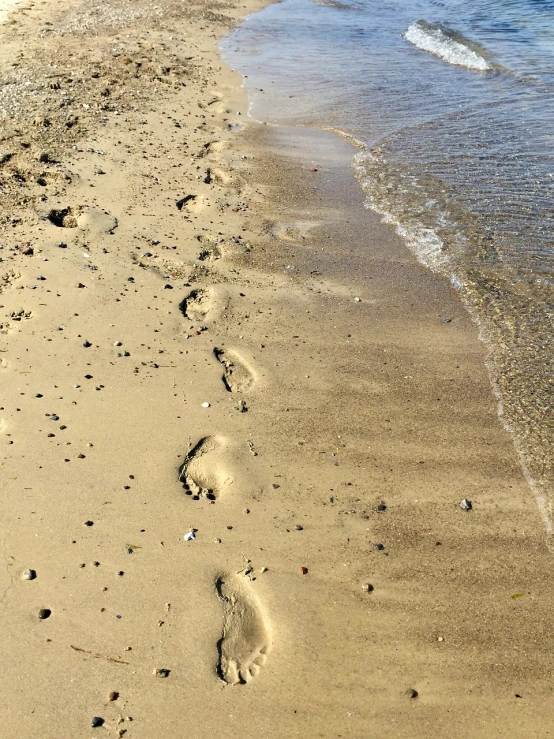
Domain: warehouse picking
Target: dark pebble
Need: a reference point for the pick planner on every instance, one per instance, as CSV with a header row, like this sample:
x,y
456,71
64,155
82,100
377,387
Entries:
x,y
113,696
40,277
87,344
89,523
298,527
54,418
411,693
96,721
88,377
379,547
168,287
38,395
381,507
44,613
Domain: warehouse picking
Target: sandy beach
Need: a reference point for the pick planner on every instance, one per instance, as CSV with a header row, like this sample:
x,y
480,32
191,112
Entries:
x,y
237,421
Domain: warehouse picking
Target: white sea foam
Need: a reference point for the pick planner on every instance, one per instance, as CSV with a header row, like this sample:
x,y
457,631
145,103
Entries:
x,y
447,45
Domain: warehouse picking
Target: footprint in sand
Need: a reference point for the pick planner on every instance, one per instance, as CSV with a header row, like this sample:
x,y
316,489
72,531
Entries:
x,y
204,304
203,472
196,305
246,638
236,376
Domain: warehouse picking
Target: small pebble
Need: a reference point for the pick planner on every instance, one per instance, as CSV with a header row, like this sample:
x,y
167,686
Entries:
x,y
368,587
381,507
298,527
87,344
205,405
28,574
465,504
113,695
304,570
117,343
96,721
161,672
44,613
379,547
89,523
411,693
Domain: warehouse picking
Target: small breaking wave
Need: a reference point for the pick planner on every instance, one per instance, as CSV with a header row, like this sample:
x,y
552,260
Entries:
x,y
448,45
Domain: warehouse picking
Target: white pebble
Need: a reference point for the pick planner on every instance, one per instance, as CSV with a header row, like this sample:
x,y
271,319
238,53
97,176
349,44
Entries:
x,y
205,405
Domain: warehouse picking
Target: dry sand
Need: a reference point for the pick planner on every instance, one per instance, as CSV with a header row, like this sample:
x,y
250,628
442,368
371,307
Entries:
x,y
154,261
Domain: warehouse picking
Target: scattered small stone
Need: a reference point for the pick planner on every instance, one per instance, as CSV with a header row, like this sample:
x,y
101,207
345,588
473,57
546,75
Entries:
x,y
465,504
379,547
263,569
81,285
54,417
304,570
205,405
62,245
161,672
168,287
217,541
381,507
89,523
368,587
80,456
440,638
96,721
113,695
88,377
38,395
411,693
28,575
298,527
86,344
357,300
44,613
41,277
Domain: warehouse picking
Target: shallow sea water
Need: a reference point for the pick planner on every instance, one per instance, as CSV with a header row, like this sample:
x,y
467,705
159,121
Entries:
x,y
451,107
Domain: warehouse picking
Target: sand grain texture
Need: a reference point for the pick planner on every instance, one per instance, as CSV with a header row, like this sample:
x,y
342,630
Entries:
x,y
333,425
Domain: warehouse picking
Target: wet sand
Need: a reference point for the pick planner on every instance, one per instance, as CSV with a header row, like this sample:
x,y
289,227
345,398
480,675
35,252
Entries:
x,y
204,331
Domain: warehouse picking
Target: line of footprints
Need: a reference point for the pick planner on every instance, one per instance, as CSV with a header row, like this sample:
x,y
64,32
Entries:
x,y
246,637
